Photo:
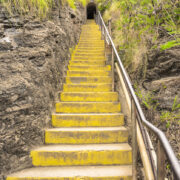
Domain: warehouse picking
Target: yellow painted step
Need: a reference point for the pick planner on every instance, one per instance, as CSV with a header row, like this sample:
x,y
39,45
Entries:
x,y
88,79
84,62
98,59
100,55
88,120
87,87
89,48
90,39
95,42
89,96
90,51
75,53
88,73
95,53
91,43
92,26
86,135
93,67
86,36
95,33
93,154
88,107
74,173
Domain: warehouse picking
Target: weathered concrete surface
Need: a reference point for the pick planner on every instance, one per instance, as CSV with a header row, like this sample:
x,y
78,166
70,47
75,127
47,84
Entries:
x,y
32,59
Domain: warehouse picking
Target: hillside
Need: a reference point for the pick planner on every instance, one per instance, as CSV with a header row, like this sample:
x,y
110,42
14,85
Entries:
x,y
147,35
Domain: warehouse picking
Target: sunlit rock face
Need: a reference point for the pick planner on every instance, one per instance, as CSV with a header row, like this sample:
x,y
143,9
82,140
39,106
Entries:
x,y
33,55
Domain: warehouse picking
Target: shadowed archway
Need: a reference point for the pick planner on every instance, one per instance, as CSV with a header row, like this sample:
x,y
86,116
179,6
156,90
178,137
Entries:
x,y
91,10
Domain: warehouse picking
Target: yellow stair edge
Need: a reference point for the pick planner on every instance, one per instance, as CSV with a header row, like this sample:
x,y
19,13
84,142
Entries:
x,y
89,96
88,120
75,73
88,79
88,107
123,172
86,135
89,154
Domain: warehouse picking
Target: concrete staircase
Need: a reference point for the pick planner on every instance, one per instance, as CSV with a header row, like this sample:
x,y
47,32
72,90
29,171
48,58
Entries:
x,y
88,141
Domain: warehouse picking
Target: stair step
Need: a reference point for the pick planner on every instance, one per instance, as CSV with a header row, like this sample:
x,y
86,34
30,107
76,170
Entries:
x,y
89,96
90,48
74,173
98,41
77,54
99,44
88,73
88,79
89,51
87,87
93,154
88,107
85,55
94,33
88,120
86,135
95,59
92,67
91,39
84,62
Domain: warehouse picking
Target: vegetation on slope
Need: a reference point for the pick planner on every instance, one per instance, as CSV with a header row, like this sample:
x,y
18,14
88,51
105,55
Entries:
x,y
138,23
39,8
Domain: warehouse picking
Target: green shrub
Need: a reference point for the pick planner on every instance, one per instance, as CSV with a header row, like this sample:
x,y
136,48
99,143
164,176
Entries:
x,y
170,44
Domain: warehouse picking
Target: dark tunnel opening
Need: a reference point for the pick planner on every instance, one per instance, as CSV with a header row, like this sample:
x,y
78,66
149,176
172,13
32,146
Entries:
x,y
91,10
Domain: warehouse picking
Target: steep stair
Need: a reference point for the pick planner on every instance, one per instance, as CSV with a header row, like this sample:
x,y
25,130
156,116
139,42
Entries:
x,y
88,140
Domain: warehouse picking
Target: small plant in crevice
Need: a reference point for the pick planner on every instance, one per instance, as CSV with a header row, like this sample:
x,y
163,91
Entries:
x,y
173,115
147,100
170,44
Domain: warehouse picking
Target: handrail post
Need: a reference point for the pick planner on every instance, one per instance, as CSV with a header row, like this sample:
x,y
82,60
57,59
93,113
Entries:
x,y
105,43
112,68
160,162
99,20
109,27
102,32
134,140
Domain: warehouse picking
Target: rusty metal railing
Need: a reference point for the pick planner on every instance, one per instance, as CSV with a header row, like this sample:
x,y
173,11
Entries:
x,y
139,122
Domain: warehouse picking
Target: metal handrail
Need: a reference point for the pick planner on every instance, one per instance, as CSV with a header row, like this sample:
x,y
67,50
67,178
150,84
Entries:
x,y
161,136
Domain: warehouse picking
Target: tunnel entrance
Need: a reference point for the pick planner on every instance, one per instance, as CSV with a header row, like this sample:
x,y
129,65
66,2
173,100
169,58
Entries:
x,y
91,10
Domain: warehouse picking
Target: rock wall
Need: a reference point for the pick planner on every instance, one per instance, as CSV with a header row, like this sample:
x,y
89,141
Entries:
x,y
33,55
162,83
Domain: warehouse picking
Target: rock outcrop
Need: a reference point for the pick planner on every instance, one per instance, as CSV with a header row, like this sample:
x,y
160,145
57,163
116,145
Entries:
x,y
33,56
